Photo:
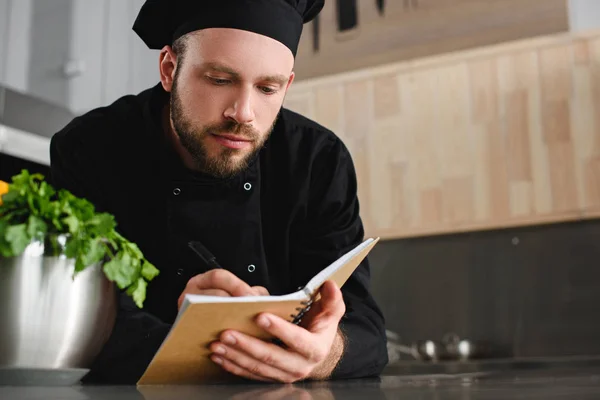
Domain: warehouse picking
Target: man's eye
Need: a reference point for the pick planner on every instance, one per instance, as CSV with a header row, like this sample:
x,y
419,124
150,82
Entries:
x,y
267,90
219,81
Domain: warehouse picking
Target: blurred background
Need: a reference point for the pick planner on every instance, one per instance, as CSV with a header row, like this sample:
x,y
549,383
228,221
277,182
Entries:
x,y
474,127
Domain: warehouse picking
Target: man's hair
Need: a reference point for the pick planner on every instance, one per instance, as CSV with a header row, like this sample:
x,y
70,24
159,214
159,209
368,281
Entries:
x,y
180,47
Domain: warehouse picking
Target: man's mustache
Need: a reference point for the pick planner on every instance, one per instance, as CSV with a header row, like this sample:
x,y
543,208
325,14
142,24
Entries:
x,y
234,128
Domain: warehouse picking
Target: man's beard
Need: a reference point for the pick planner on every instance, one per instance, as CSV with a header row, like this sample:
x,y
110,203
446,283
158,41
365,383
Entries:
x,y
192,139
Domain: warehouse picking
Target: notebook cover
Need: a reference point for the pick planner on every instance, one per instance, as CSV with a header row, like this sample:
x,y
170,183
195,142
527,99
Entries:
x,y
184,357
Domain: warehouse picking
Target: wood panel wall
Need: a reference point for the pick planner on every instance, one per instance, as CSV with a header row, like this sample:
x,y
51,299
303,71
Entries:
x,y
500,136
418,28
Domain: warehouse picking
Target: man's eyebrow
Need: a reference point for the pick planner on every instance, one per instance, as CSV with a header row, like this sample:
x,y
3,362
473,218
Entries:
x,y
222,68
278,79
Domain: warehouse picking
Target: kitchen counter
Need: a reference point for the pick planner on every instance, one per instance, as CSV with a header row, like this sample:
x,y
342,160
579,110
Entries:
x,y
565,382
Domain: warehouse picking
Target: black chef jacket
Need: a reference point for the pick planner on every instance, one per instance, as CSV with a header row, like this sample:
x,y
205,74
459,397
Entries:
x,y
277,224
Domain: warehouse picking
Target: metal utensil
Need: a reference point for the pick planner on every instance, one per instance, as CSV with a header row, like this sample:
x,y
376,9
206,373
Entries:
x,y
467,349
431,350
316,30
347,14
451,341
477,349
380,6
422,350
49,317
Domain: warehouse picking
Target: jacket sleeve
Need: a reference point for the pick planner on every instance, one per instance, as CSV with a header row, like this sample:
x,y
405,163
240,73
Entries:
x,y
137,334
334,227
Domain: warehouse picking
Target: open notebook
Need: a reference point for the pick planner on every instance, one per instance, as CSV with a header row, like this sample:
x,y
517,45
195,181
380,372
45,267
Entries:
x,y
184,357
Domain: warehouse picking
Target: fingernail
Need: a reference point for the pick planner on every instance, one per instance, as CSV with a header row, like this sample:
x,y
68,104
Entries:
x,y
264,321
229,339
220,350
216,359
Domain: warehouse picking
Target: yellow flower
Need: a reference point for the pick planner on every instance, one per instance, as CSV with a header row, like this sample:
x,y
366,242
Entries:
x,y
3,190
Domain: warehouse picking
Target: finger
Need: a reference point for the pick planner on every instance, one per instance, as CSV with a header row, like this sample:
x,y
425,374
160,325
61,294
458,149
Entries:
x,y
325,319
221,279
296,338
237,370
246,351
328,310
214,292
260,290
264,366
206,292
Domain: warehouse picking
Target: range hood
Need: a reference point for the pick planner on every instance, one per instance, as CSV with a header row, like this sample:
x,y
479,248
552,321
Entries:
x,y
27,123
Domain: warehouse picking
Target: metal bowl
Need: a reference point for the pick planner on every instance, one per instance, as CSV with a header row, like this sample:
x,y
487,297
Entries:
x,y
50,317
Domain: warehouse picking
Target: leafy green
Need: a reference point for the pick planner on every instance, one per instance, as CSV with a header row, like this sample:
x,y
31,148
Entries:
x,y
148,271
138,290
17,237
32,208
5,247
36,226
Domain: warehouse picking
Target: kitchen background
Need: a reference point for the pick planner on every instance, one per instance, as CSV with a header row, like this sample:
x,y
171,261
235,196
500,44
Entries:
x,y
474,126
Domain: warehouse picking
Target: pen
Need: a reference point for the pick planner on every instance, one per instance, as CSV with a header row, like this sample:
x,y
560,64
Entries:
x,y
206,256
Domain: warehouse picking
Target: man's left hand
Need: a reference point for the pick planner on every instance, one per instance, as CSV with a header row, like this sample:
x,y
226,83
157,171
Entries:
x,y
311,351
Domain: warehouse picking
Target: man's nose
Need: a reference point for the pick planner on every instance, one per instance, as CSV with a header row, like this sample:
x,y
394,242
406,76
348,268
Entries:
x,y
241,109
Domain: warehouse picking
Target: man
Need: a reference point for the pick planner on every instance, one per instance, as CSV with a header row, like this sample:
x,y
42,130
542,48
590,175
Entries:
x,y
210,155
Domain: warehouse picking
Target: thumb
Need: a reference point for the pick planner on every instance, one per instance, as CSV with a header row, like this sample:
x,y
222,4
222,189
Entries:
x,y
331,306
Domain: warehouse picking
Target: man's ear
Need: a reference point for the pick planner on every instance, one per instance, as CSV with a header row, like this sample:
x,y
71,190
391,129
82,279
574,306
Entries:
x,y
167,66
292,76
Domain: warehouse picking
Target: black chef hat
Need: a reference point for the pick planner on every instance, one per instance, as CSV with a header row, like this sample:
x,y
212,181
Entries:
x,y
160,22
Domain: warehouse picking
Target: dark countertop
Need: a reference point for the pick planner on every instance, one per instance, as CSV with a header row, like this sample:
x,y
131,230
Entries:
x,y
556,382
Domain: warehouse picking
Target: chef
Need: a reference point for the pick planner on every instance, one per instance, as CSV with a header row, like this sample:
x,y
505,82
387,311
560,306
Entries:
x,y
209,155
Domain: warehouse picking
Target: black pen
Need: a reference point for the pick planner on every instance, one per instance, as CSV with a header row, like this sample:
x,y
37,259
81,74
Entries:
x,y
206,256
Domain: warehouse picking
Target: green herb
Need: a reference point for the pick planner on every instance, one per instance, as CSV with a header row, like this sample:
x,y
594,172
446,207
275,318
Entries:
x,y
32,208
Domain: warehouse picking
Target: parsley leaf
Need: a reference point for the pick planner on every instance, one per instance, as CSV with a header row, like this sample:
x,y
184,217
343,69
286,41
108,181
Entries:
x,y
149,271
5,247
138,291
17,237
121,270
36,227
32,208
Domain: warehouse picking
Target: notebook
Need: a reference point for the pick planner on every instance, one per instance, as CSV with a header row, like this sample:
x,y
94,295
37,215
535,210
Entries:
x,y
184,357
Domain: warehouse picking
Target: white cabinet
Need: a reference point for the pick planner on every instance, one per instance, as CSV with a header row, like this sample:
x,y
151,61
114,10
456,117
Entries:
x,y
79,54
49,38
88,46
584,15
4,18
114,61
117,69
15,31
143,62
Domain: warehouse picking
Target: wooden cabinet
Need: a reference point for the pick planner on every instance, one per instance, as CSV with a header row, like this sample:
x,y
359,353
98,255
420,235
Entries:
x,y
492,137
410,29
83,54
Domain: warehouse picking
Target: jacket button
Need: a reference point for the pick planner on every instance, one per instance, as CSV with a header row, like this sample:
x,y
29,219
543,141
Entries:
x,y
251,268
180,271
176,191
247,186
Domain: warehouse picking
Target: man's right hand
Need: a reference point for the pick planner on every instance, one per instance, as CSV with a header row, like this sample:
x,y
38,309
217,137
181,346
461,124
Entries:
x,y
220,282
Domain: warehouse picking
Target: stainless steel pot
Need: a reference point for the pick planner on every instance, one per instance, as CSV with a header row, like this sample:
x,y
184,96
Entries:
x,y
50,317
